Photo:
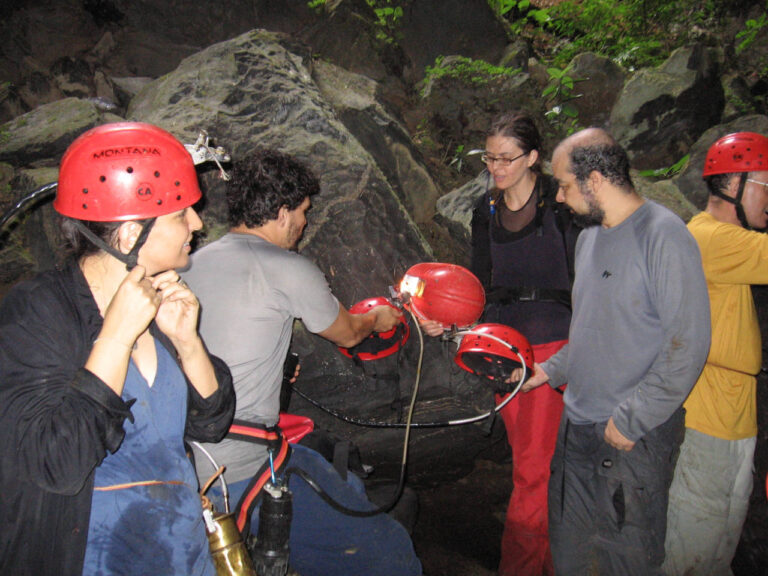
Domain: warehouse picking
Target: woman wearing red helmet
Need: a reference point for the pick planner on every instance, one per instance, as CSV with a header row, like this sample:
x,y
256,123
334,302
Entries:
x,y
522,243
104,375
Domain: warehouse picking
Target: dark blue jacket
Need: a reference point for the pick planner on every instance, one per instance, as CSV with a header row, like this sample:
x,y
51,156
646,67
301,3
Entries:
x,y
58,420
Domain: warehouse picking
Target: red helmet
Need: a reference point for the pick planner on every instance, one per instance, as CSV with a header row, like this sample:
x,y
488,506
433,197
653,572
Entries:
x,y
377,344
491,351
445,293
738,152
125,171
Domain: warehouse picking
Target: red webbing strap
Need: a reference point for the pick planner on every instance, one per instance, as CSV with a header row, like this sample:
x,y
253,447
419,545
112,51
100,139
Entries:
x,y
274,439
250,432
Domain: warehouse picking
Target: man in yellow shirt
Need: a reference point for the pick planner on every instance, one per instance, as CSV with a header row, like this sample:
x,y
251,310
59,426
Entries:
x,y
712,484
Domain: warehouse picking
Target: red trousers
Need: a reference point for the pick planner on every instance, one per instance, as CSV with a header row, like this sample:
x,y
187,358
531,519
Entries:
x,y
531,420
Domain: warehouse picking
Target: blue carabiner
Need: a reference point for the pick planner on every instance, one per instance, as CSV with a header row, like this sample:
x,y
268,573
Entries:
x,y
272,466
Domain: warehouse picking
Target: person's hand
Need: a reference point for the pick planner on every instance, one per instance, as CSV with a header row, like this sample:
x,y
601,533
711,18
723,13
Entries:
x,y
616,438
537,378
387,318
178,310
431,327
295,374
131,309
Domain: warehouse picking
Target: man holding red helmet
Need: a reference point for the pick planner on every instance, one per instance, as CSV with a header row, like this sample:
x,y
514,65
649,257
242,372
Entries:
x,y
710,492
638,338
252,285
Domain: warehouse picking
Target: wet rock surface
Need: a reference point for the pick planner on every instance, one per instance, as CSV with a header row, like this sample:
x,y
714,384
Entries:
x,y
318,84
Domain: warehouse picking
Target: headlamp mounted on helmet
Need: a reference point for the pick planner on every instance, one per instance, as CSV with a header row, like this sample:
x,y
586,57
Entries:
x,y
445,293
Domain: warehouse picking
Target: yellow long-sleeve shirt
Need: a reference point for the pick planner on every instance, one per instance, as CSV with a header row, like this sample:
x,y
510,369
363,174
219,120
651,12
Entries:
x,y
723,401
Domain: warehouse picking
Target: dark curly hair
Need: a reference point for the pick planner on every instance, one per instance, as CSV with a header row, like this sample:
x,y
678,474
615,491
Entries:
x,y
264,182
610,160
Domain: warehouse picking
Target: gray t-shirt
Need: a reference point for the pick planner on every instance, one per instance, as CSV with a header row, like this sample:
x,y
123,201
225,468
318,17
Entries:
x,y
640,329
250,292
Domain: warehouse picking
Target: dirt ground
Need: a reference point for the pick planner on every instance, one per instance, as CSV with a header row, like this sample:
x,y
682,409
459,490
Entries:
x,y
459,526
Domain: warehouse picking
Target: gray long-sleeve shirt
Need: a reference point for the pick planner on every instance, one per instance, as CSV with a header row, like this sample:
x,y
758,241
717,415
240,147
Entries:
x,y
640,329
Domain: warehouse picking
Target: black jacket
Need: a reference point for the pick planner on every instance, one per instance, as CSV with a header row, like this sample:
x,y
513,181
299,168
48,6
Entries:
x,y
57,421
527,274
483,226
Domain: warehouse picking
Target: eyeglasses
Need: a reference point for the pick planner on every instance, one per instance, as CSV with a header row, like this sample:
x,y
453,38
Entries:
x,y
504,162
763,184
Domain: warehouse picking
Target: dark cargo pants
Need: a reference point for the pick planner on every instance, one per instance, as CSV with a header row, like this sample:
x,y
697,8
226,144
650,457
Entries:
x,y
608,508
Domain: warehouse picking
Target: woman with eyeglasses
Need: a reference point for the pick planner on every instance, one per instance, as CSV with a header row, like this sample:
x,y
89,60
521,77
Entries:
x,y
522,252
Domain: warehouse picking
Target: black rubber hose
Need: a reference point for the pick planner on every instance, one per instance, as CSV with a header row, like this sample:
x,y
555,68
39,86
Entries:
x,y
44,192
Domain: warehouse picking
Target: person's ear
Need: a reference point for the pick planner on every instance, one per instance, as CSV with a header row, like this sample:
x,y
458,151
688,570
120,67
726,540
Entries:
x,y
733,185
533,157
596,180
127,235
282,215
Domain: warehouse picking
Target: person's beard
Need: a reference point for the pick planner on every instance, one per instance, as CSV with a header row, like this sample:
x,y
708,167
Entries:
x,y
294,237
595,213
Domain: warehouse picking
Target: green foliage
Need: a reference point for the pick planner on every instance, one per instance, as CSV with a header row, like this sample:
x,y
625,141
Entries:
x,y
459,156
388,16
751,28
667,172
559,93
631,32
502,7
520,13
634,33
469,71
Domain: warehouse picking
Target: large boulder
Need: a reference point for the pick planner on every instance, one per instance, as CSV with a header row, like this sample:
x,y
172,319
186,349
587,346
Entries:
x,y
667,194
599,81
35,38
46,131
460,99
466,27
662,111
455,207
254,91
354,99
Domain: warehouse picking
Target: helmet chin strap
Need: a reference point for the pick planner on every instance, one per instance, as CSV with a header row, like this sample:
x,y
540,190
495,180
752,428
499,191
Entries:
x,y
737,201
131,259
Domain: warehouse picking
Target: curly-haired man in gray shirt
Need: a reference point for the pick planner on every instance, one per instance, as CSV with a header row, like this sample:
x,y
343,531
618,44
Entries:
x,y
252,284
638,339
